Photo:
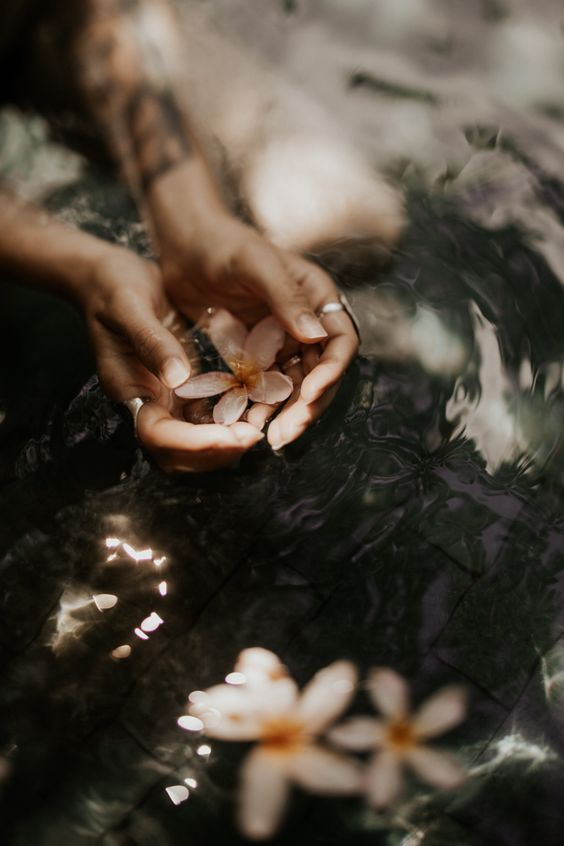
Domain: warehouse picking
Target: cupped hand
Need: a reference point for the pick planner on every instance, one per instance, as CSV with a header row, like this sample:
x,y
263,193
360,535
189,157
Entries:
x,y
228,264
137,355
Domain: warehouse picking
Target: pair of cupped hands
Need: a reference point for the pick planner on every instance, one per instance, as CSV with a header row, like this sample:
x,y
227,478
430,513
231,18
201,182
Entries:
x,y
128,303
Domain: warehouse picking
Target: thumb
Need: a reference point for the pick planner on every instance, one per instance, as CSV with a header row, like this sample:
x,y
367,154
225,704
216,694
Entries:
x,y
281,282
157,348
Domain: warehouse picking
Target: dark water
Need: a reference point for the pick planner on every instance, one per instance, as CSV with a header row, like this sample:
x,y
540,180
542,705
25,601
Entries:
x,y
402,530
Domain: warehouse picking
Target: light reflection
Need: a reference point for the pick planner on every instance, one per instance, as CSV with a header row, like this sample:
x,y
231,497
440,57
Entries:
x,y
514,747
141,634
66,623
204,751
112,543
137,554
198,697
235,678
152,622
189,723
163,588
178,793
158,562
191,782
104,601
121,652
552,668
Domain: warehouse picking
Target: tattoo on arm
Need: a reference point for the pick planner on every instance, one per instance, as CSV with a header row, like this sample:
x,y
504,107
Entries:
x,y
158,137
140,115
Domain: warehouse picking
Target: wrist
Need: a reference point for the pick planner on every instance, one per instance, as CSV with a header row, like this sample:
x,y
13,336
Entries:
x,y
82,272
185,205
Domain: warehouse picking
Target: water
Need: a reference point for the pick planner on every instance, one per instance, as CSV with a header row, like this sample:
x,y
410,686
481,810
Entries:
x,y
418,526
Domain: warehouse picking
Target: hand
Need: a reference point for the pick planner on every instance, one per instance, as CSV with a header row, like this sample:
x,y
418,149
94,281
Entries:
x,y
227,264
125,305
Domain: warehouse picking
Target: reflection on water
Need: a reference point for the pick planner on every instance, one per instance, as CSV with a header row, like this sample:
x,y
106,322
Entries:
x,y
419,526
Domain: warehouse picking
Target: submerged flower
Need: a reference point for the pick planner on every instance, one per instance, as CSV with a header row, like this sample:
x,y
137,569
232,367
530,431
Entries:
x,y
286,726
249,355
400,737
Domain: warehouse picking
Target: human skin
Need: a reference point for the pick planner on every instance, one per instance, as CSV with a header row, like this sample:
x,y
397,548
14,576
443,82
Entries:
x,y
123,80
124,305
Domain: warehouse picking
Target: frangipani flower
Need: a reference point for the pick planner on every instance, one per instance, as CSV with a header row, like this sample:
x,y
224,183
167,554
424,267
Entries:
x,y
249,355
400,738
285,726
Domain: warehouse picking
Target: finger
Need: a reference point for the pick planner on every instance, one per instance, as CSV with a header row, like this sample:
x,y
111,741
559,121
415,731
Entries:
x,y
259,414
291,348
204,461
340,350
271,278
121,374
158,430
310,357
293,421
157,348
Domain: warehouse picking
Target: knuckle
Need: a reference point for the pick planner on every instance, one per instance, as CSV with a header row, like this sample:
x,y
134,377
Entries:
x,y
146,340
246,258
296,301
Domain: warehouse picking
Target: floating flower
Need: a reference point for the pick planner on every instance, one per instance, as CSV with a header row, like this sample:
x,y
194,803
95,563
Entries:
x,y
286,727
400,738
249,355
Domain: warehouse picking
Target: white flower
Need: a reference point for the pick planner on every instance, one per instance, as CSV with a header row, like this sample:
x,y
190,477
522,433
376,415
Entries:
x,y
285,725
399,738
250,356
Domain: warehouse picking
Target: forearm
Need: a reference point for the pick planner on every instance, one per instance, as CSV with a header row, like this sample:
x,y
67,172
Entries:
x,y
40,251
126,74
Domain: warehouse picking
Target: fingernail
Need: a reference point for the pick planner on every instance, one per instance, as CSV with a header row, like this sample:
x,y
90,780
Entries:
x,y
276,442
174,372
311,327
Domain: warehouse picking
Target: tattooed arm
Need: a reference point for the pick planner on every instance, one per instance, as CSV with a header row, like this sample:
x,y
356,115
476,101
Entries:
x,y
126,52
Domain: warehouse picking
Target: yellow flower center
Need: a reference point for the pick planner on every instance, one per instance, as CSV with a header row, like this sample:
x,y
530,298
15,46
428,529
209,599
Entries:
x,y
245,371
282,734
401,735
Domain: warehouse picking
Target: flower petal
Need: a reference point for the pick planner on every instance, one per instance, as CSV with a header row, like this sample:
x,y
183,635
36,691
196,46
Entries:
x,y
278,697
323,771
271,387
228,713
389,692
436,767
264,341
383,779
327,695
231,406
443,711
227,334
263,793
358,734
259,665
206,385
